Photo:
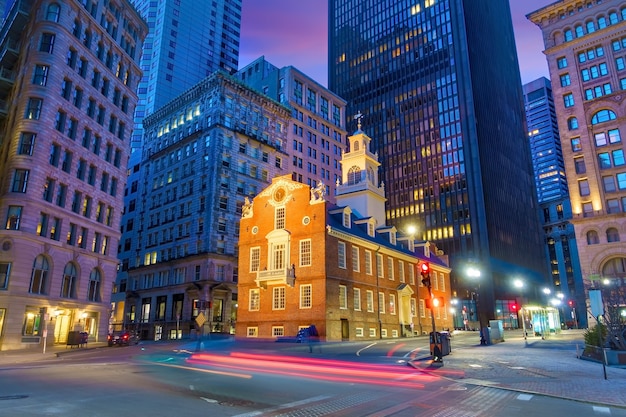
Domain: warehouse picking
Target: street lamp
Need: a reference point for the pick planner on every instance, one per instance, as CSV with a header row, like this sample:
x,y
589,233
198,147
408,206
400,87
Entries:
x,y
474,274
519,284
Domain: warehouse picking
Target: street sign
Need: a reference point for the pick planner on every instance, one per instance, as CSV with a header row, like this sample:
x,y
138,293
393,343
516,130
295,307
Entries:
x,y
200,319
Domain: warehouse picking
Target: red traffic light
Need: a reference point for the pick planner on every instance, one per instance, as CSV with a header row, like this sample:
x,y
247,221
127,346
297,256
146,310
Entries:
x,y
571,303
425,268
514,307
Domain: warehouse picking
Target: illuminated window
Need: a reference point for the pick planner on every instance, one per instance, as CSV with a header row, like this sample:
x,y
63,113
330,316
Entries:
x,y
343,297
255,300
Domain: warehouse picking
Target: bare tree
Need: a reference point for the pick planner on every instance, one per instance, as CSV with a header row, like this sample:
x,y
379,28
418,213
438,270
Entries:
x,y
614,304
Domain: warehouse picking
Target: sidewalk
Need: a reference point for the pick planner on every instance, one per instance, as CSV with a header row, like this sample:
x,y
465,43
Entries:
x,y
35,355
534,366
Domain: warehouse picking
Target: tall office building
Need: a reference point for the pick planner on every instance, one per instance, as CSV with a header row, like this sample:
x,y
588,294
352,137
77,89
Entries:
x,y
554,204
205,153
317,137
586,52
187,41
69,74
438,84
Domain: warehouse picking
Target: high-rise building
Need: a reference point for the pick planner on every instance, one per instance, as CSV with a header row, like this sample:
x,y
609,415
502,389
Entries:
x,y
187,41
554,204
317,136
69,73
585,46
438,84
205,154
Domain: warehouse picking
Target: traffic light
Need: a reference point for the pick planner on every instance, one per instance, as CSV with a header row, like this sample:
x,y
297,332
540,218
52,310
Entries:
x,y
514,307
433,302
571,303
425,272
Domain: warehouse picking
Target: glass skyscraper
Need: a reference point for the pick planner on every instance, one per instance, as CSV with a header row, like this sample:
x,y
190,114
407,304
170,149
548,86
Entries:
x,y
439,86
187,42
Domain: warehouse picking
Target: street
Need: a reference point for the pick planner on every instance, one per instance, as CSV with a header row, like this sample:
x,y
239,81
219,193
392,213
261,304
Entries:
x,y
228,378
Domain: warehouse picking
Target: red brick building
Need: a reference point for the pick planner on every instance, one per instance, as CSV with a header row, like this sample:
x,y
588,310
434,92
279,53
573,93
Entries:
x,y
303,261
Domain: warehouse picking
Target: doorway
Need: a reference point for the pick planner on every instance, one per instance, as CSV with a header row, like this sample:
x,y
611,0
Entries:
x,y
345,330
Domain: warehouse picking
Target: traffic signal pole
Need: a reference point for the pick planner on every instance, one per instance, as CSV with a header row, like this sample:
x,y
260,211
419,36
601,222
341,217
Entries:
x,y
437,354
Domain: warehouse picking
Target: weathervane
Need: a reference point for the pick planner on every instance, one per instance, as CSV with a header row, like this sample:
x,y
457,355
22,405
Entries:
x,y
358,117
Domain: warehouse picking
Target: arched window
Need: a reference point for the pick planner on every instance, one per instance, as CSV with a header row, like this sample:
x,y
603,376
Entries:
x,y
354,175
612,235
370,175
93,292
591,27
601,22
568,35
579,31
572,123
603,116
39,276
68,285
623,12
53,12
77,28
592,237
356,145
613,18
615,267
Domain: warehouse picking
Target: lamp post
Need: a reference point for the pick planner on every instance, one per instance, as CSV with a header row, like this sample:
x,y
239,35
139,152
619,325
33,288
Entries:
x,y
474,274
519,284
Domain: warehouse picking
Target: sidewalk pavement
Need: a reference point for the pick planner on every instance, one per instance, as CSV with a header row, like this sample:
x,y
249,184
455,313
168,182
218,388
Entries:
x,y
534,366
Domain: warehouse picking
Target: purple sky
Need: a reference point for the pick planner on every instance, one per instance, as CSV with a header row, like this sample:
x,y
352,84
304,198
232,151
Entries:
x,y
291,32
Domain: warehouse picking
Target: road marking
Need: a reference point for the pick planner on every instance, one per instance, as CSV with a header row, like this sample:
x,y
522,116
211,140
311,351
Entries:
x,y
603,410
209,400
474,365
358,352
524,397
284,406
208,371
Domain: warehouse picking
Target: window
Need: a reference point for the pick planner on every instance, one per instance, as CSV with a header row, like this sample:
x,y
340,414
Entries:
x,y
612,206
357,299
600,139
40,75
583,187
379,266
390,273
278,298
621,181
568,100
579,165
618,157
47,43
369,301
603,116
392,304
39,276
565,80
53,12
5,269
343,297
368,262
20,180
33,108
305,252
401,271
604,160
561,62
93,291
381,303
278,331
255,259
355,259
576,145
305,296
614,136
279,218
14,216
612,235
341,255
572,123
27,143
252,332
568,35
255,300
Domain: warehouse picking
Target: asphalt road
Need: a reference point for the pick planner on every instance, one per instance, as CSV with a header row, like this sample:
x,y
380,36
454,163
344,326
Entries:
x,y
228,378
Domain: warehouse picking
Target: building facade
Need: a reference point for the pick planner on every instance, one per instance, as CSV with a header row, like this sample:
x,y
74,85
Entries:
x,y
438,84
69,71
586,52
205,153
186,42
304,261
554,205
317,134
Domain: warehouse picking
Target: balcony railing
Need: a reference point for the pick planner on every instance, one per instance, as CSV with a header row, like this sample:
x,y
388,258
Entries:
x,y
276,277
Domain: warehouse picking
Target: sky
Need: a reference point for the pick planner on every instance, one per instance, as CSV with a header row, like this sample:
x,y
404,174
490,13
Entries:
x,y
291,32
